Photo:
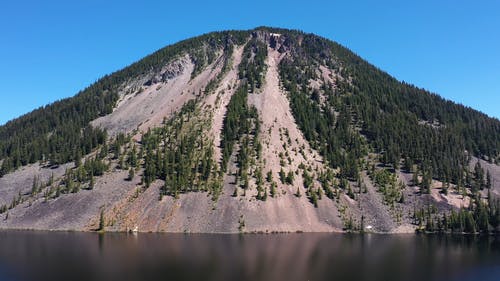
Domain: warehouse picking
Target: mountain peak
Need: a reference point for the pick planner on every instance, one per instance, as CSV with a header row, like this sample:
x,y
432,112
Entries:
x,y
250,131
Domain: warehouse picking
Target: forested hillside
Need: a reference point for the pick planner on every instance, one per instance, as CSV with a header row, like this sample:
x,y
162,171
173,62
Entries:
x,y
260,130
59,133
399,121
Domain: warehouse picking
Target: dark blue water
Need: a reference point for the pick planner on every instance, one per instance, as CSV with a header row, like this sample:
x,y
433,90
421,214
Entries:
x,y
90,256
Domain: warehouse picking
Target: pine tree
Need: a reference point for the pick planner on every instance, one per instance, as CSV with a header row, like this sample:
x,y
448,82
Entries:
x,y
34,186
408,164
297,193
269,176
414,180
314,199
488,180
92,182
289,178
426,183
131,174
101,220
282,176
444,188
78,158
132,157
51,180
273,189
362,224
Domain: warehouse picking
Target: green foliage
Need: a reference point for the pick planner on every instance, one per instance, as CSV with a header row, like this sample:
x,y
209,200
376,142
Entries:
x,y
60,132
241,224
313,197
91,183
308,180
239,121
101,220
398,120
387,184
3,209
131,174
479,217
273,190
289,178
282,176
132,158
331,135
253,64
269,176
179,154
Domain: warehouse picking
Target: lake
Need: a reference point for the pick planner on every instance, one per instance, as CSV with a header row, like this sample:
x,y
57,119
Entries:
x,y
73,256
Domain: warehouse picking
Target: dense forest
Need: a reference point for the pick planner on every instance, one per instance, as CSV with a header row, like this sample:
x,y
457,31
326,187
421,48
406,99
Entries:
x,y
178,154
400,122
57,133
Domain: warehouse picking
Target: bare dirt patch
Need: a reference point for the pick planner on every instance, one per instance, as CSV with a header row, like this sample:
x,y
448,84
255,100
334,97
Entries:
x,y
70,211
21,180
148,107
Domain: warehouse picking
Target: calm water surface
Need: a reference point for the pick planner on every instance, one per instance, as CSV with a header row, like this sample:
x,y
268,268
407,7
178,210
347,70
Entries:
x,y
90,256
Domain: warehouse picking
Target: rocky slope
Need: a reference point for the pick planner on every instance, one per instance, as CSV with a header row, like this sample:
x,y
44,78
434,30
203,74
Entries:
x,y
266,130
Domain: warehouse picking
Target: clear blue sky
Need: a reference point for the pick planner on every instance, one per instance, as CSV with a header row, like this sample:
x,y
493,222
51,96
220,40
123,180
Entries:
x,y
53,49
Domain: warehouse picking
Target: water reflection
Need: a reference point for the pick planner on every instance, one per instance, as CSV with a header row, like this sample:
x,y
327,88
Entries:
x,y
90,256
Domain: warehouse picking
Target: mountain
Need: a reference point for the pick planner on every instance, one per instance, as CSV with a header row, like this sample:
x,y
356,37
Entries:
x,y
265,130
